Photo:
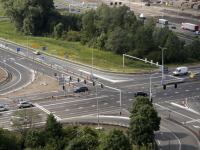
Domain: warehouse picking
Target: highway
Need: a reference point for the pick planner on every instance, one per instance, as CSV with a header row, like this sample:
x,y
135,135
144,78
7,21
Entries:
x,y
83,107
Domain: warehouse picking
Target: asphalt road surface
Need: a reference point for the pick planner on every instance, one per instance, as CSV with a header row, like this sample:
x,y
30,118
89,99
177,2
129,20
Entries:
x,y
170,101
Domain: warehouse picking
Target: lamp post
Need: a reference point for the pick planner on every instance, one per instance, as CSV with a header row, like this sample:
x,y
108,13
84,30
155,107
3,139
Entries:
x,y
162,63
150,87
97,106
168,138
5,56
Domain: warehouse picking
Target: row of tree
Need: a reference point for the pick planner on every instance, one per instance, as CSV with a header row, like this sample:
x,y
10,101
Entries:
x,y
114,29
143,122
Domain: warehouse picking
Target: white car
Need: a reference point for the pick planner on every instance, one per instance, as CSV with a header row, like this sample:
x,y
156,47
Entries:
x,y
197,32
36,52
3,108
24,104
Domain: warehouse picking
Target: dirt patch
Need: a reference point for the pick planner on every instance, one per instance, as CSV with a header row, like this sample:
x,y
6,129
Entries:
x,y
41,84
3,75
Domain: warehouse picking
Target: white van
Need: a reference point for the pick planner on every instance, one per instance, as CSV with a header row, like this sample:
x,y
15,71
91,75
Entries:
x,y
181,71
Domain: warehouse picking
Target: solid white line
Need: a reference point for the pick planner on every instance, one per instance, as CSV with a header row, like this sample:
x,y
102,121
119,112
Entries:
x,y
175,112
174,136
188,109
113,81
16,82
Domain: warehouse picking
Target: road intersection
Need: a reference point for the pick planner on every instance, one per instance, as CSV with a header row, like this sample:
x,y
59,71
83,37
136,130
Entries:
x,y
180,103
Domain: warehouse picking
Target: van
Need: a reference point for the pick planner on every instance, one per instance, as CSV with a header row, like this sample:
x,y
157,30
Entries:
x,y
181,71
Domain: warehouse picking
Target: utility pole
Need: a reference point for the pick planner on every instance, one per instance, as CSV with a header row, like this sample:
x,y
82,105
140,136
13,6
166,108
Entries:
x,y
162,63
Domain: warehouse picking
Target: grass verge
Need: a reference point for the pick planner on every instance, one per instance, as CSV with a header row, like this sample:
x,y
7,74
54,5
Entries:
x,y
80,53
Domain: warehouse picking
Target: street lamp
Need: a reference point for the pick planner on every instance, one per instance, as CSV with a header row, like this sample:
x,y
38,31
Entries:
x,y
150,97
97,104
162,63
168,138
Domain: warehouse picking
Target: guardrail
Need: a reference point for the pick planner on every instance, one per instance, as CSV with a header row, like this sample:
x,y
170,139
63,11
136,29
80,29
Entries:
x,y
8,78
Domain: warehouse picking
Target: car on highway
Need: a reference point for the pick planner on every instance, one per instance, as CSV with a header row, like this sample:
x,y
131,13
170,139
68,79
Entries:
x,y
80,89
197,32
37,52
173,27
3,108
24,104
140,94
195,75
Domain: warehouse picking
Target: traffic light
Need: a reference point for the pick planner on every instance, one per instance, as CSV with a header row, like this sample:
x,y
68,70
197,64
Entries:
x,y
164,86
175,85
93,83
63,87
101,85
78,79
70,78
85,81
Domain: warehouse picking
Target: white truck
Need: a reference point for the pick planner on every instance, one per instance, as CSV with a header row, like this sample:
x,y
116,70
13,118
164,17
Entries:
x,y
181,71
189,26
163,21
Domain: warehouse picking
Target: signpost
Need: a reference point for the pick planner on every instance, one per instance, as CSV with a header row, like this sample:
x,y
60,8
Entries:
x,y
70,56
34,45
18,49
67,56
61,54
42,57
44,48
61,81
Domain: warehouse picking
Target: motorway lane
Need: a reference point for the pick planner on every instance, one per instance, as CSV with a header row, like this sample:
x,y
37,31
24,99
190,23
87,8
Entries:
x,y
18,76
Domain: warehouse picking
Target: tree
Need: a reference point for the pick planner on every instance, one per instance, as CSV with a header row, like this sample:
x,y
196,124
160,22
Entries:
x,y
116,140
22,120
144,121
52,127
140,131
119,41
193,49
77,144
58,29
30,16
137,104
34,139
90,137
174,51
8,140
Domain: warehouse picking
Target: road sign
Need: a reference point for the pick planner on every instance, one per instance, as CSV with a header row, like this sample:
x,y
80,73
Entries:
x,y
67,56
61,54
34,45
161,82
44,48
18,49
42,57
191,75
70,56
166,71
55,74
61,81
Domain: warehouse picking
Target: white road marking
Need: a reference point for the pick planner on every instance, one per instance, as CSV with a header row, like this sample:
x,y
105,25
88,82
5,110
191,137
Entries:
x,y
67,110
105,103
80,107
175,112
93,105
130,99
187,90
196,126
176,92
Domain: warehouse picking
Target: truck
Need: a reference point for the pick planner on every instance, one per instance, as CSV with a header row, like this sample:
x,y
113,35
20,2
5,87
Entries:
x,y
181,71
163,21
189,26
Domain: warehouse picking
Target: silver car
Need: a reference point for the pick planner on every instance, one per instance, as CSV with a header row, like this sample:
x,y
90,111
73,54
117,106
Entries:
x,y
3,108
24,104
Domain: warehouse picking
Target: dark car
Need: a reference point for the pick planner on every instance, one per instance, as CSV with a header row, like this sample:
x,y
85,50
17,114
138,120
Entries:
x,y
173,27
80,89
140,94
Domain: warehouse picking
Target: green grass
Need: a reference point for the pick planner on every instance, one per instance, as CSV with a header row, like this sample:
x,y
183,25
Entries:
x,y
80,53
